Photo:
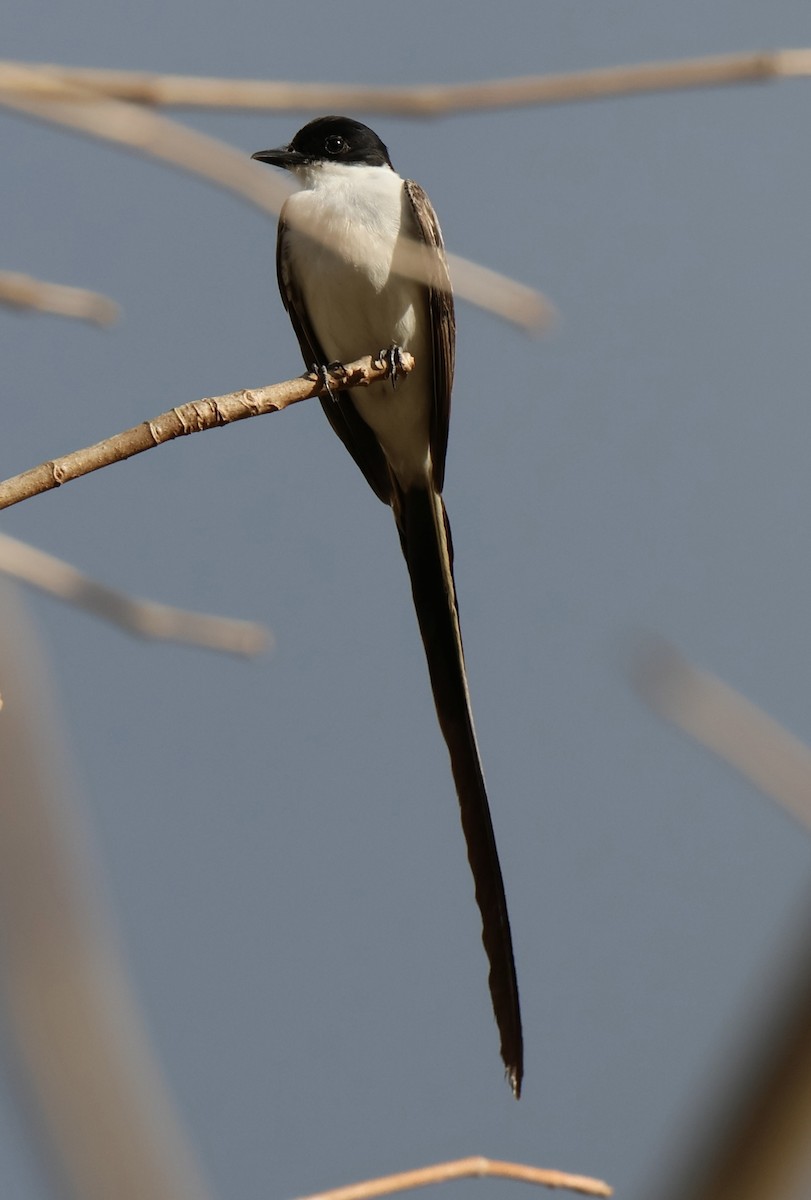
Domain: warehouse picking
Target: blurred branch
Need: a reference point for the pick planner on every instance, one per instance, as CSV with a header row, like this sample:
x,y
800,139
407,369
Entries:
x,y
194,417
426,100
755,1147
464,1168
38,93
731,726
42,96
87,1058
22,291
143,618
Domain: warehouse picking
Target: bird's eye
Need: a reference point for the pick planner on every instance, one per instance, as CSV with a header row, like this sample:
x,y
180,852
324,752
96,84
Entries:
x,y
335,144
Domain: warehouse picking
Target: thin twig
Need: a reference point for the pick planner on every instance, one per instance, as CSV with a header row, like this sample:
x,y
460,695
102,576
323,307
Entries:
x,y
23,291
464,1168
730,725
426,100
194,417
142,618
38,94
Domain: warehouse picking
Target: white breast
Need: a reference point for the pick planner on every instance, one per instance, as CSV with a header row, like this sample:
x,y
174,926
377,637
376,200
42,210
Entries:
x,y
355,215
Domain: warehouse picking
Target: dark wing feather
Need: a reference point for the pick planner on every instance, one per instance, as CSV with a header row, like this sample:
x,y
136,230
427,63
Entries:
x,y
340,412
443,325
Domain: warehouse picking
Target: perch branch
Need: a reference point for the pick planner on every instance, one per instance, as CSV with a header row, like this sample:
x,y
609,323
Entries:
x,y
194,417
143,618
464,1168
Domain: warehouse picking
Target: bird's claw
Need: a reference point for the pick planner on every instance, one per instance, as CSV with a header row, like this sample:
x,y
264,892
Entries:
x,y
393,358
322,372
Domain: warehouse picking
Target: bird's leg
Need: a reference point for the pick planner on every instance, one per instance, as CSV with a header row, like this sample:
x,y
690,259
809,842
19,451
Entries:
x,y
322,372
393,357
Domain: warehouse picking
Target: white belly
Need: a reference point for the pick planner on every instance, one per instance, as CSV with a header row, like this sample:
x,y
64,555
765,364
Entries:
x,y
357,308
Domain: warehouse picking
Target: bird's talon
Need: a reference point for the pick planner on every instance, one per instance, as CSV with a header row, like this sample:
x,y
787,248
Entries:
x,y
322,372
393,357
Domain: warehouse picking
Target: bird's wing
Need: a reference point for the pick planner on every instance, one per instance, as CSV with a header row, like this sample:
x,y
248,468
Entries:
x,y
341,413
442,322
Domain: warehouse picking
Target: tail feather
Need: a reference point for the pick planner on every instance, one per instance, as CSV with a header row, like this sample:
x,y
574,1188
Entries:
x,y
426,541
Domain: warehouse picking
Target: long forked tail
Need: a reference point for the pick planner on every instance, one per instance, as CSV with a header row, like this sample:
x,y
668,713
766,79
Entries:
x,y
426,540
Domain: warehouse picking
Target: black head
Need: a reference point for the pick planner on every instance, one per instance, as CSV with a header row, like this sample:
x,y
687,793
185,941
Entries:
x,y
329,139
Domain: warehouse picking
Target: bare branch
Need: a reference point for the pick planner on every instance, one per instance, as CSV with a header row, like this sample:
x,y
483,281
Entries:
x,y
22,291
428,100
464,1168
38,94
730,725
143,618
194,417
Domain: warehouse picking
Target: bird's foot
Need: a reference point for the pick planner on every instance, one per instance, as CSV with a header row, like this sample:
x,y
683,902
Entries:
x,y
322,372
393,358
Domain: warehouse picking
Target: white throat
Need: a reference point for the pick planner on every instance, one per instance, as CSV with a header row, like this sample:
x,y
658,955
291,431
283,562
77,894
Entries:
x,y
328,174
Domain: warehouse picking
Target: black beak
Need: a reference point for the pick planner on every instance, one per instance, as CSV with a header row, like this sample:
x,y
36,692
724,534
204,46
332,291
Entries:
x,y
284,156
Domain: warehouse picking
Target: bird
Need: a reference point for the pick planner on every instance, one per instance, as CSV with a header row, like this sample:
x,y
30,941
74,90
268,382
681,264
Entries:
x,y
342,233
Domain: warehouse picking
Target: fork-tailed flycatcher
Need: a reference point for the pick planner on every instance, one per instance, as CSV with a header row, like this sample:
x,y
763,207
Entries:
x,y
336,260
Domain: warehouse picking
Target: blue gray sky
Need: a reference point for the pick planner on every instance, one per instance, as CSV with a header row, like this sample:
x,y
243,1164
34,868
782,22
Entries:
x,y
281,837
